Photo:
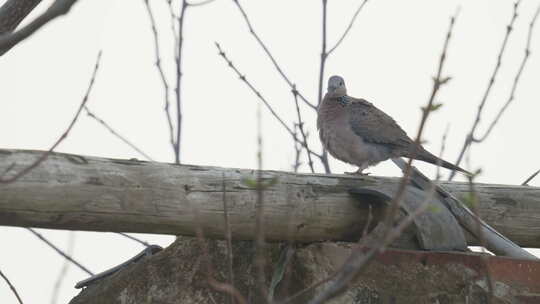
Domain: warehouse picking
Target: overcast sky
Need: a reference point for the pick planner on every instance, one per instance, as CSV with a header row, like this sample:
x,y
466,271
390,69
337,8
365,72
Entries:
x,y
388,58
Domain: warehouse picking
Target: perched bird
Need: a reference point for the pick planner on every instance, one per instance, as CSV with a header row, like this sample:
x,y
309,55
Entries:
x,y
355,131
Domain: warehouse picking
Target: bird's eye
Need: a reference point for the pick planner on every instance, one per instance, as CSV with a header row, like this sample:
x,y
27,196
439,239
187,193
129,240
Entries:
x,y
341,83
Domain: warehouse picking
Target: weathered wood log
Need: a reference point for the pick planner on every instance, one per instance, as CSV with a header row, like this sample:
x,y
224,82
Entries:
x,y
179,275
89,193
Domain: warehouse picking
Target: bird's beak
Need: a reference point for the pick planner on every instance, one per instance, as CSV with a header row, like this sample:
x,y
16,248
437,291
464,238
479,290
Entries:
x,y
332,88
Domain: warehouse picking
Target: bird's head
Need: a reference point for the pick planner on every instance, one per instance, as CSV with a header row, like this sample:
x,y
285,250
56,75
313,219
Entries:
x,y
336,87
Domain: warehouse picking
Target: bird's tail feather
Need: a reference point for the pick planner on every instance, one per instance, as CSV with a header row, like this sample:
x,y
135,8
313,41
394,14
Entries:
x,y
432,159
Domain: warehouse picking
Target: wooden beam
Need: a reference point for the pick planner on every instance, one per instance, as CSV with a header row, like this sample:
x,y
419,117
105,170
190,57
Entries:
x,y
89,193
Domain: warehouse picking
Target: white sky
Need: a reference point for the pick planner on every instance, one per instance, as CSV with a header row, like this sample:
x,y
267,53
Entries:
x,y
388,58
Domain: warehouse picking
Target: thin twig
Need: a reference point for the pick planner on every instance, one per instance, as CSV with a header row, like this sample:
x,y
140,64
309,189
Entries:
x,y
64,269
301,129
297,151
122,138
515,83
178,90
526,182
161,73
324,53
346,32
259,95
144,243
44,156
11,287
470,136
270,56
60,252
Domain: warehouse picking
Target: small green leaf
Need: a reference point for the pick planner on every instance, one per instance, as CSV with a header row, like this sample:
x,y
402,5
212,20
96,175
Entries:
x,y
250,182
471,200
434,209
433,107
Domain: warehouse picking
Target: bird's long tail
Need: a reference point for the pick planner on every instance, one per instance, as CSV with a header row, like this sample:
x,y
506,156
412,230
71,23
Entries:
x,y
432,159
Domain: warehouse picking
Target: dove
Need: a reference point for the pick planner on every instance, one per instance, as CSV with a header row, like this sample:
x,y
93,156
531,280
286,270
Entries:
x,y
353,130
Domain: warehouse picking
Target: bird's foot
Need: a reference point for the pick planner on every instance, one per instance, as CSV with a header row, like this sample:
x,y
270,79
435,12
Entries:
x,y
358,172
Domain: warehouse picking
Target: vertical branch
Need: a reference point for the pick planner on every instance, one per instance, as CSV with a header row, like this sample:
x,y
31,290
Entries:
x,y
302,132
178,90
321,76
297,151
324,54
162,73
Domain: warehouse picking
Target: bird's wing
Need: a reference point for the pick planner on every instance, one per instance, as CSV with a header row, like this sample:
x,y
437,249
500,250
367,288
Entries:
x,y
375,126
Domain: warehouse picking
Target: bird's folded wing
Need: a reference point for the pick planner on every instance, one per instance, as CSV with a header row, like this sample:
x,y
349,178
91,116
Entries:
x,y
374,126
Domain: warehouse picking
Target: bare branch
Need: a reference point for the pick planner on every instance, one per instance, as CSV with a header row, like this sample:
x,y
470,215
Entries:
x,y
259,95
44,156
470,136
161,73
526,182
60,252
58,8
144,243
515,83
270,56
13,12
11,287
301,129
108,127
324,53
348,27
178,90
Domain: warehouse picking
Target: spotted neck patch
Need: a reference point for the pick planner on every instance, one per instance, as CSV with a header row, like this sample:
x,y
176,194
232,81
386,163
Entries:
x,y
343,100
